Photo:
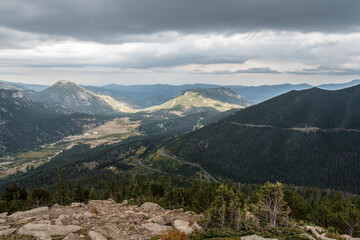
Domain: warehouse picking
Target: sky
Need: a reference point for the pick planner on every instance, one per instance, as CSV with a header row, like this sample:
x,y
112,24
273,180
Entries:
x,y
236,42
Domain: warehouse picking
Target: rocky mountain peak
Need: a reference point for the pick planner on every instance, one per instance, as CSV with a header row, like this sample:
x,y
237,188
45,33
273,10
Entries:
x,y
65,82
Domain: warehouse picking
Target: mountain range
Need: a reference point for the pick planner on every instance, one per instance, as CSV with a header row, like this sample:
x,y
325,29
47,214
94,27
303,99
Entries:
x,y
144,96
26,114
78,99
302,137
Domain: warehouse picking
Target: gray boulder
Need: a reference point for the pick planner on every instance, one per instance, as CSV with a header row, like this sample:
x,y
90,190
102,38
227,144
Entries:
x,y
96,236
33,212
155,228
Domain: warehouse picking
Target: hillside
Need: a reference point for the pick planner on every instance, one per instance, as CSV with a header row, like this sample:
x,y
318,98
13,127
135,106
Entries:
x,y
307,108
78,99
307,137
15,106
25,124
198,100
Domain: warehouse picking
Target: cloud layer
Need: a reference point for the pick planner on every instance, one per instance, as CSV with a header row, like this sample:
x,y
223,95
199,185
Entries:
x,y
155,38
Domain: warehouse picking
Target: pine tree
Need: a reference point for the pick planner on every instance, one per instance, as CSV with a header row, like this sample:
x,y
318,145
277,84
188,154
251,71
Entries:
x,y
351,220
223,209
60,194
113,191
40,197
78,192
93,194
106,192
70,194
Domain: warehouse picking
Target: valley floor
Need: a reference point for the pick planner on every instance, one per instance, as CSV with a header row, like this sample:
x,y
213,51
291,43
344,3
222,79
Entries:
x,y
109,133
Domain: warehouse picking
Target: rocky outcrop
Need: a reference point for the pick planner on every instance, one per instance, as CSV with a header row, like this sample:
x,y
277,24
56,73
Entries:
x,y
149,207
97,220
185,226
318,233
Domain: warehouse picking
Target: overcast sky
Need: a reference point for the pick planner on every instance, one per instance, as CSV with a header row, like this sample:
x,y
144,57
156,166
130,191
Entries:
x,y
250,42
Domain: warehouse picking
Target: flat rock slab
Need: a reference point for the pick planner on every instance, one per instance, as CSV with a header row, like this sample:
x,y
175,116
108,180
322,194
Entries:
x,y
32,212
155,228
46,230
7,232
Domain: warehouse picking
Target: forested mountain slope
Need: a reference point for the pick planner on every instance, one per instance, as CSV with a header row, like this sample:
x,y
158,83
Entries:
x,y
14,106
275,140
313,108
25,124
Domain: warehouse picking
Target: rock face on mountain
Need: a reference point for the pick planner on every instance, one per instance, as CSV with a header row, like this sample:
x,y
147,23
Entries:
x,y
97,220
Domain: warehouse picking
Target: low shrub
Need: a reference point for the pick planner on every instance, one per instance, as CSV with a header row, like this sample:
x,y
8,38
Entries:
x,y
174,235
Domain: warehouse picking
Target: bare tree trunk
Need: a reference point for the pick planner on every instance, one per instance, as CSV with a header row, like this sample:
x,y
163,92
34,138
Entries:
x,y
238,219
222,215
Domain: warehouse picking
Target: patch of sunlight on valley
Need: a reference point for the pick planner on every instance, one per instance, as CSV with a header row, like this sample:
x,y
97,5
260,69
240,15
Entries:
x,y
109,133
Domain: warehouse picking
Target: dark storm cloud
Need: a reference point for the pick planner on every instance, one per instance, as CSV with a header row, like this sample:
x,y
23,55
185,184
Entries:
x,y
110,20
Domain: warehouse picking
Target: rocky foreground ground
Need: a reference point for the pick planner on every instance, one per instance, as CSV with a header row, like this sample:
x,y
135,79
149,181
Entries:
x,y
108,220
97,220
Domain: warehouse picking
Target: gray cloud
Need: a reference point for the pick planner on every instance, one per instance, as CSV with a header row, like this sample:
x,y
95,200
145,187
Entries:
x,y
114,20
326,71
261,70
183,38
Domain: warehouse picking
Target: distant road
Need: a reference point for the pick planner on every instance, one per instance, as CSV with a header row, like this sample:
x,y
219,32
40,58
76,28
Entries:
x,y
164,154
305,129
150,168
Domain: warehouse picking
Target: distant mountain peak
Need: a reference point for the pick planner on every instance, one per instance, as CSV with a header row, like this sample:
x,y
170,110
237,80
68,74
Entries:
x,y
65,82
78,99
190,100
